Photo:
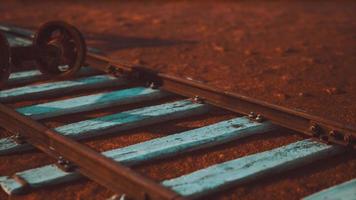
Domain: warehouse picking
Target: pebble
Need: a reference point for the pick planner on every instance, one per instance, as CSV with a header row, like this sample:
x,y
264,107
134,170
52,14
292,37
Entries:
x,y
249,52
286,78
139,62
278,50
218,48
125,24
202,28
156,21
221,156
281,96
333,91
303,94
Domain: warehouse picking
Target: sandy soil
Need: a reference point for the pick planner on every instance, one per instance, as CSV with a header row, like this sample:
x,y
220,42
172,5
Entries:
x,y
297,54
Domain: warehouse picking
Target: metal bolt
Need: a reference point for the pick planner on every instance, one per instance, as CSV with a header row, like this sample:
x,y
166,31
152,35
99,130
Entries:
x,y
152,85
315,129
64,164
197,99
18,138
252,115
259,118
61,160
67,167
332,133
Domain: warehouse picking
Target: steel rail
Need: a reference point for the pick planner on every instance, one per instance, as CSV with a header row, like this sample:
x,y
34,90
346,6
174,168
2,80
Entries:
x,y
105,171
323,129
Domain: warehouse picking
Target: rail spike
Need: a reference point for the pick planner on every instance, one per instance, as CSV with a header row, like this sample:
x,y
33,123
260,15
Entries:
x,y
256,117
65,165
18,138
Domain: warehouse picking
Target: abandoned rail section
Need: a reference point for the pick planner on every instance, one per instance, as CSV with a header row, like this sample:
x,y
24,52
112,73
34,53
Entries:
x,y
111,168
310,125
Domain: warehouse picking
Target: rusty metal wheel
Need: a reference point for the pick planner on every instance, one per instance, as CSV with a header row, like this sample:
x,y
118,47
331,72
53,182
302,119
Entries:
x,y
5,67
63,49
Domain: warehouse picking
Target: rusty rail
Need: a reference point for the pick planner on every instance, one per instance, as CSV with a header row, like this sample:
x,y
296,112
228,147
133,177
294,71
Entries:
x,y
325,130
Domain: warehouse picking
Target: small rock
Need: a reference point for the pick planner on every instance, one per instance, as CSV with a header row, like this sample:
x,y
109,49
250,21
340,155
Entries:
x,y
278,50
281,96
202,28
249,52
218,48
286,78
310,60
138,17
139,62
125,24
333,91
221,156
303,94
156,21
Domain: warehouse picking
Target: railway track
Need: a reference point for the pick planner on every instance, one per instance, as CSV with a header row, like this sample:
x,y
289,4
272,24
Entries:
x,y
127,84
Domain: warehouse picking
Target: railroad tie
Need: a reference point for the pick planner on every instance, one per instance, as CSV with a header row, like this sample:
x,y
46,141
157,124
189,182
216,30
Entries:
x,y
159,148
91,102
31,76
221,176
118,122
58,88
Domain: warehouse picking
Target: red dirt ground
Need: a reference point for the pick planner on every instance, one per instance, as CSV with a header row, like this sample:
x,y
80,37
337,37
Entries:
x,y
297,54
